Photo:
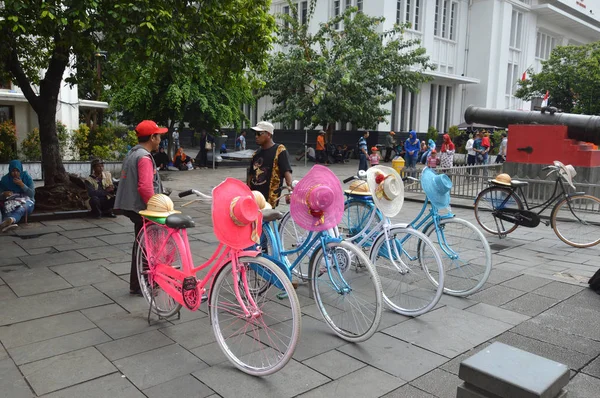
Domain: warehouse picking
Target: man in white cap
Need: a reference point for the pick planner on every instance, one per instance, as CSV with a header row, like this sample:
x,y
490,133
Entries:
x,y
270,165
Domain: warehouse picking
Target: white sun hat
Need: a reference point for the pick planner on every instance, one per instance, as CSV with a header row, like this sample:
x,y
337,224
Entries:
x,y
567,172
387,189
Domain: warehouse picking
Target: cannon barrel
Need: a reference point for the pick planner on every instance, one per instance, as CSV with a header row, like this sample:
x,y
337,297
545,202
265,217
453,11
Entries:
x,y
581,127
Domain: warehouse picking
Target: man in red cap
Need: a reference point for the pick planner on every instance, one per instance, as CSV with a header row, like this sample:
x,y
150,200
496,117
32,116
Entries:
x,y
139,181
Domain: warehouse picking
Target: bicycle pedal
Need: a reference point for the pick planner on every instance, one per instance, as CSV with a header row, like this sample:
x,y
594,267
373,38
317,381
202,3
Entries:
x,y
204,298
189,283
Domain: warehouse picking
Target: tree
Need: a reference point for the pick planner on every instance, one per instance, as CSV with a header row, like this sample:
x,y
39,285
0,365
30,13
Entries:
x,y
41,39
571,76
340,75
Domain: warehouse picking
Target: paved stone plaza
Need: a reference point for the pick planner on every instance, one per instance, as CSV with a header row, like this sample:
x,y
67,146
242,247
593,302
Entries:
x,y
69,328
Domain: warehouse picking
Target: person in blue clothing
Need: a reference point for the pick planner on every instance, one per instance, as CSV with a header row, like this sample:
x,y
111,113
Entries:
x,y
362,152
430,147
18,193
412,146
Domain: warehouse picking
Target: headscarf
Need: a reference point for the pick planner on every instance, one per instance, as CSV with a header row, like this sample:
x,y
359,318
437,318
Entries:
x,y
413,135
179,153
448,145
431,144
7,180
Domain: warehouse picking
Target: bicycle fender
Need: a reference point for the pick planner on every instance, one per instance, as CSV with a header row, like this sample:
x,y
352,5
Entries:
x,y
575,194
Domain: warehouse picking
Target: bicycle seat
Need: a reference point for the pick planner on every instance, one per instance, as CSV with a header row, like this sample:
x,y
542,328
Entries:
x,y
517,183
179,221
271,215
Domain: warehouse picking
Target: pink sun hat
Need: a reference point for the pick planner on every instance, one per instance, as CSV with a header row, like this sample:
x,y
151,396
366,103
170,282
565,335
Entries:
x,y
317,202
237,220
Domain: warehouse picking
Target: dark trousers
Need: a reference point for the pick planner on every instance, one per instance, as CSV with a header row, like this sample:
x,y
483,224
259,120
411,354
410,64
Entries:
x,y
388,153
202,158
362,162
138,223
321,157
101,205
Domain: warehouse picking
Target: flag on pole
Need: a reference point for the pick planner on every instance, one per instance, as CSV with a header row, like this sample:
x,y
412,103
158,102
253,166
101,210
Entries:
x,y
545,99
524,77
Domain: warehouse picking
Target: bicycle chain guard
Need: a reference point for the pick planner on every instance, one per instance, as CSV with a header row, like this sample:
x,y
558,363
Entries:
x,y
524,218
191,294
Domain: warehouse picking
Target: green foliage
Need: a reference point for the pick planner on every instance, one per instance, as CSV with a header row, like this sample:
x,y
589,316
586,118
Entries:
x,y
8,141
496,138
571,75
453,132
107,142
340,75
31,147
432,134
81,142
63,137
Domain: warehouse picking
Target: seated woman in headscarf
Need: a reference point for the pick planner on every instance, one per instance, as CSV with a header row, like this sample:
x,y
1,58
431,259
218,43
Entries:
x,y
181,160
18,195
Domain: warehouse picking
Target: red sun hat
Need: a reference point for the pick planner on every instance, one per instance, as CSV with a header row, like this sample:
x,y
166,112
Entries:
x,y
149,127
237,220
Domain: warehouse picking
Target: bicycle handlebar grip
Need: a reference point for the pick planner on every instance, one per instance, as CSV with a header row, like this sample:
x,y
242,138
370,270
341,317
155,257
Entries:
x,y
347,180
185,193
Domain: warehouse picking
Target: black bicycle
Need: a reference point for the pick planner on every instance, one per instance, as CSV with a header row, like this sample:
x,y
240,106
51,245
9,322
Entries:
x,y
575,217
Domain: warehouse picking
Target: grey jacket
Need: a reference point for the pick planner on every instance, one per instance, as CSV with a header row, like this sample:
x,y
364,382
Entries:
x,y
128,197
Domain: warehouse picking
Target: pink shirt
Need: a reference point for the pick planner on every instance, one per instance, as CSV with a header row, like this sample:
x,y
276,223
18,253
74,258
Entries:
x,y
432,162
374,159
146,172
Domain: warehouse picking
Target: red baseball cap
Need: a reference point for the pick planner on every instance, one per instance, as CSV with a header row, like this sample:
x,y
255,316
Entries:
x,y
148,127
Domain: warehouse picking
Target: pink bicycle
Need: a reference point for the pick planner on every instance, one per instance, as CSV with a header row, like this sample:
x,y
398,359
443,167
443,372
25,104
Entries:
x,y
257,330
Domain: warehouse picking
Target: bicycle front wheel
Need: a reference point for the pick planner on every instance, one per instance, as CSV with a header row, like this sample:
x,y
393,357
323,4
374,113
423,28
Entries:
x,y
355,222
347,290
465,253
293,237
262,343
576,220
411,271
490,200
149,255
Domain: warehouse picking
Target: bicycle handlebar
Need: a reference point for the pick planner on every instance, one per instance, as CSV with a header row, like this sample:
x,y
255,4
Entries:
x,y
347,180
186,193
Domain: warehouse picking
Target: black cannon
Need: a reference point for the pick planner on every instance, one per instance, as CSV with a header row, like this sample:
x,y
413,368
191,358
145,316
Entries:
x,y
580,127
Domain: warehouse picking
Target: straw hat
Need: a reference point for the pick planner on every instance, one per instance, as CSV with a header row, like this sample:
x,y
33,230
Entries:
x,y
317,202
159,205
436,187
387,189
567,172
502,179
261,201
358,187
237,220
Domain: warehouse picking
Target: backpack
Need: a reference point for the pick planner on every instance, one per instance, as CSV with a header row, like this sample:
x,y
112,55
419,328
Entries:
x,y
594,282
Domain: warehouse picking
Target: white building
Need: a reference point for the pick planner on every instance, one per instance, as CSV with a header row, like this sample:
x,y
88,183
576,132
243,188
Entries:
x,y
481,49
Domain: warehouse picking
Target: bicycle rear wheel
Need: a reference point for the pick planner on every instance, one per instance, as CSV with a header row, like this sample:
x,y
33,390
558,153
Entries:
x,y
411,271
576,220
465,253
347,290
149,248
355,221
258,345
491,199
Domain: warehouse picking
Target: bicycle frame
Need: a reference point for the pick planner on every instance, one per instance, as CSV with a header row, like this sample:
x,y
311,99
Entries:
x,y
171,280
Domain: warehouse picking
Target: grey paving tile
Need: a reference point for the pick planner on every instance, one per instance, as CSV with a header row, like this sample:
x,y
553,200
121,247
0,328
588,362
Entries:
x,y
396,357
93,253
456,302
47,304
117,323
572,359
453,365
448,331
191,334
47,240
119,268
185,386
158,366
34,281
31,229
80,243
536,330
12,383
210,353
42,250
3,353
6,293
12,250
408,391
593,368
85,273
116,239
316,337
366,382
113,386
290,381
117,288
70,224
496,295
58,345
132,345
572,319
334,364
530,304
24,333
558,290
48,260
586,298
86,233
499,314
438,382
9,261
65,370
526,283
583,386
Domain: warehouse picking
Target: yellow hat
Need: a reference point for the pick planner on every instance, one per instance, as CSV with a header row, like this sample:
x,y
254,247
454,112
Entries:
x,y
359,187
159,205
502,179
261,201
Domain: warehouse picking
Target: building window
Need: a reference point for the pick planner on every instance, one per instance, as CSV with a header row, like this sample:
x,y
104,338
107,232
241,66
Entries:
x,y
512,76
445,19
544,45
7,113
516,27
336,11
348,4
408,11
359,4
304,12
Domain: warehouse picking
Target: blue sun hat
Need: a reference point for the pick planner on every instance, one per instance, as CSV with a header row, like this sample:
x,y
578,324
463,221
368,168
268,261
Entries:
x,y
436,187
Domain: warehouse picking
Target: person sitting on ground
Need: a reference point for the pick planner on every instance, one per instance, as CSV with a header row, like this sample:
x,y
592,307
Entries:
x,y
338,155
101,190
18,194
161,159
374,156
347,152
181,160
310,153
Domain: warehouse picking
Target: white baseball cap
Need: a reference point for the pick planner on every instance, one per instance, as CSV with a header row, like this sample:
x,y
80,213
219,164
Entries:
x,y
264,126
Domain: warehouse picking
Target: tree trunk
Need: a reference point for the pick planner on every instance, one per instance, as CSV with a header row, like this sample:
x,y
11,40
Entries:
x,y
54,171
329,133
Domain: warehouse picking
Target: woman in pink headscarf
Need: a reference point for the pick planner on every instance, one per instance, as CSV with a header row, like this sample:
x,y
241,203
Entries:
x,y
447,153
